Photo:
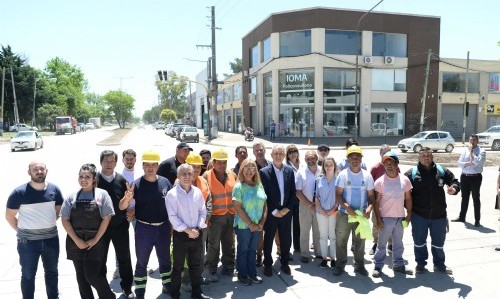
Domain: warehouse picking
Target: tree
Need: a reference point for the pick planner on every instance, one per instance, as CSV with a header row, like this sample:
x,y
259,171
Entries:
x,y
46,115
120,104
168,115
173,94
236,66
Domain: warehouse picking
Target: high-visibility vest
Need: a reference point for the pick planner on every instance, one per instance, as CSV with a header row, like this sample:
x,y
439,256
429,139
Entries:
x,y
202,184
222,195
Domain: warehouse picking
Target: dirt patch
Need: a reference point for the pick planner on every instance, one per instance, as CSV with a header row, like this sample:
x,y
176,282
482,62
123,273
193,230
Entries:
x,y
450,159
116,138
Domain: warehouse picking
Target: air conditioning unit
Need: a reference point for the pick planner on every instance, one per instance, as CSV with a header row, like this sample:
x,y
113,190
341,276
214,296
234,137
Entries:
x,y
368,59
389,59
252,97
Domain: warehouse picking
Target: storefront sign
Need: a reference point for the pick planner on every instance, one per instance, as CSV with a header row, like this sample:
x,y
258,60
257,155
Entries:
x,y
296,81
492,109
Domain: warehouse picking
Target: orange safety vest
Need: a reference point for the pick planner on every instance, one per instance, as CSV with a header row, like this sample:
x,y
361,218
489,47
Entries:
x,y
222,195
201,183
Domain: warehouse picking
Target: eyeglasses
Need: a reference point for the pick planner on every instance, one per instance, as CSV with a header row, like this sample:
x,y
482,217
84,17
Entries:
x,y
249,168
85,178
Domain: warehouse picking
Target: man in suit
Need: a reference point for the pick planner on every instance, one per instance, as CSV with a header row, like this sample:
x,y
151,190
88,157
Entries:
x,y
279,184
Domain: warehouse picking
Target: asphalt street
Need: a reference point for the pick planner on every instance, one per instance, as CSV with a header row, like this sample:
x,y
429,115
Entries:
x,y
469,250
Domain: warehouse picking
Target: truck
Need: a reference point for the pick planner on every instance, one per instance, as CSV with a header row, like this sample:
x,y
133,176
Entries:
x,y
96,121
66,124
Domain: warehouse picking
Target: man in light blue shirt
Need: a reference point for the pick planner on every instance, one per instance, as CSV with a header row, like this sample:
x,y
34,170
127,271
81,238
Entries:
x,y
471,162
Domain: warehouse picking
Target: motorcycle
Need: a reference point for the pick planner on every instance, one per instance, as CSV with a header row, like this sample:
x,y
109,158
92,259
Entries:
x,y
249,134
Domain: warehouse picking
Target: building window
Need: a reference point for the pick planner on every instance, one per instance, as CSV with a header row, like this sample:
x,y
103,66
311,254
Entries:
x,y
338,101
387,119
389,80
296,100
389,44
253,85
455,82
227,95
238,94
341,42
219,97
254,56
494,84
268,102
266,50
295,43
238,116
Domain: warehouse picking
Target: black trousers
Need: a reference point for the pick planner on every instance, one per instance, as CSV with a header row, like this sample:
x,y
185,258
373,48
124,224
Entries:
x,y
470,184
283,225
184,247
88,273
119,235
296,227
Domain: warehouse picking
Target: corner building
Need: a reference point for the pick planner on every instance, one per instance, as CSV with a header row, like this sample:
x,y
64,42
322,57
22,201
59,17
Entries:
x,y
299,68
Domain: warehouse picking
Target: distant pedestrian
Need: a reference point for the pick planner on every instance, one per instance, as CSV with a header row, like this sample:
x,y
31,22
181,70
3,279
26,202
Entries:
x,y
85,215
249,200
273,130
32,211
429,209
471,162
393,197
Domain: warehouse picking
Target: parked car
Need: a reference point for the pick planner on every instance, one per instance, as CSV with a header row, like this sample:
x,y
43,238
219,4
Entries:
x,y
490,138
141,125
172,132
168,129
21,127
90,126
160,125
379,129
178,131
26,140
189,133
435,140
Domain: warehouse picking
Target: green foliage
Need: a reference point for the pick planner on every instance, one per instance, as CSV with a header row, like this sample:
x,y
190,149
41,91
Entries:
x,y
47,114
173,94
120,104
236,66
168,115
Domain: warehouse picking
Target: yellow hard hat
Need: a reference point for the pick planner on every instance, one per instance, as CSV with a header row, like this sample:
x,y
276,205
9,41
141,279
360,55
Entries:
x,y
150,156
194,159
219,154
354,149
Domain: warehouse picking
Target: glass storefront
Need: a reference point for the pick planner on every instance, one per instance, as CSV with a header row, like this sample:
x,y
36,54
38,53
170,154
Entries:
x,y
338,101
387,119
238,117
268,102
296,102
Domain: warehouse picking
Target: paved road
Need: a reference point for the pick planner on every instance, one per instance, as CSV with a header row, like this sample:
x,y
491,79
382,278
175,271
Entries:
x,y
469,250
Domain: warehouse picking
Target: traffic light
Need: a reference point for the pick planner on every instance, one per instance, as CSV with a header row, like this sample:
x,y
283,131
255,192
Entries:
x,y
165,75
160,76
466,108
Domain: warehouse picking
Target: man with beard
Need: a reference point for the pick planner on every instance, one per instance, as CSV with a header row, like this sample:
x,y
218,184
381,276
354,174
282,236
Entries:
x,y
36,205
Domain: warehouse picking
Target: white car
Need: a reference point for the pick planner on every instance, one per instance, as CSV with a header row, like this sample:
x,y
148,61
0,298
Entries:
x,y
26,140
189,133
21,127
89,126
490,138
435,140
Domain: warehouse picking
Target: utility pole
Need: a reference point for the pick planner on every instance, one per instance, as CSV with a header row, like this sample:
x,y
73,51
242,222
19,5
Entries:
x,y
16,111
1,107
424,97
464,124
33,121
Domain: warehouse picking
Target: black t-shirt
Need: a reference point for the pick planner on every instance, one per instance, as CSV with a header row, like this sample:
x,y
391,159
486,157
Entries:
x,y
168,169
116,190
150,199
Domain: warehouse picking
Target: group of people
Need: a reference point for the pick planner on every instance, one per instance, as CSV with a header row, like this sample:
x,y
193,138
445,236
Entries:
x,y
207,212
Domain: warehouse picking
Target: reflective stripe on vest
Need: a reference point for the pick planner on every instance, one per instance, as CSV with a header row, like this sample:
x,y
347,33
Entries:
x,y
222,195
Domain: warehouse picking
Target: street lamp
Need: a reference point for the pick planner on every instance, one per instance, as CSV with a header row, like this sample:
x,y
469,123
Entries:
x,y
121,100
356,113
33,121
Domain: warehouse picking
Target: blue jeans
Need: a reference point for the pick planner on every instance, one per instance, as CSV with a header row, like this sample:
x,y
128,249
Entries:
x,y
246,251
30,252
420,228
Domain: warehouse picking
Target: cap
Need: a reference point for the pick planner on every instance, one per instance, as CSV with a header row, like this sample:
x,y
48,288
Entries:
x,y
354,149
323,146
183,145
150,156
390,155
219,154
194,159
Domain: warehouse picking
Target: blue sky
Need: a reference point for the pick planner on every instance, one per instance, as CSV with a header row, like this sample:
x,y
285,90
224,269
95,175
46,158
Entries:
x,y
108,39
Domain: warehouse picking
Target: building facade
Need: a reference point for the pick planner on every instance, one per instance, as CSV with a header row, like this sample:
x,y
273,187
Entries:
x,y
299,69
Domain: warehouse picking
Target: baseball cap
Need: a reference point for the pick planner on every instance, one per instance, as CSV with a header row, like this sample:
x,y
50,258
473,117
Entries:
x,y
390,155
323,147
183,145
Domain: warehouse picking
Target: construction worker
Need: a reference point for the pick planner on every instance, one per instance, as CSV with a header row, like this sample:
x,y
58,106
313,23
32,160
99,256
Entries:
x,y
220,229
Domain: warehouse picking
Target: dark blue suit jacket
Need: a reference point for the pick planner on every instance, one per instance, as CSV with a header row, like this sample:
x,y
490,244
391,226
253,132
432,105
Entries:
x,y
272,189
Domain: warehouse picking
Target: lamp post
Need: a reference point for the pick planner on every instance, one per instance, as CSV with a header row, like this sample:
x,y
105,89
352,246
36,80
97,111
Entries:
x,y
33,121
121,101
356,113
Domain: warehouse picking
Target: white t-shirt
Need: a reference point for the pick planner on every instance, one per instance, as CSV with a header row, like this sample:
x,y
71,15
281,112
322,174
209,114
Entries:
x,y
355,187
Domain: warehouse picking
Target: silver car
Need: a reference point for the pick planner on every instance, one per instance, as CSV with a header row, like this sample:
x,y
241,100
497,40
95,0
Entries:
x,y
26,140
435,140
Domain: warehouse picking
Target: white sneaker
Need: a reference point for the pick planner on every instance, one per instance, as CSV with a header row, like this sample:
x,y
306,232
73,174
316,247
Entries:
x,y
116,274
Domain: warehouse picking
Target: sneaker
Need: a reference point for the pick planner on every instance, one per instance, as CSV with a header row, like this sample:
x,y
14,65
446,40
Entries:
x,y
374,248
419,269
333,263
376,272
255,279
361,270
128,294
116,274
324,264
443,269
245,281
212,277
337,271
389,249
402,269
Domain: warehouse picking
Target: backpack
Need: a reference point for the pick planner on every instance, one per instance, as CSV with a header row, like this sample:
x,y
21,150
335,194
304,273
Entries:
x,y
414,171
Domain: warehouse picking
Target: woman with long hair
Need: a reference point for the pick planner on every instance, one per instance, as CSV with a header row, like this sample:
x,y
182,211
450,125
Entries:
x,y
326,207
292,157
249,200
85,216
